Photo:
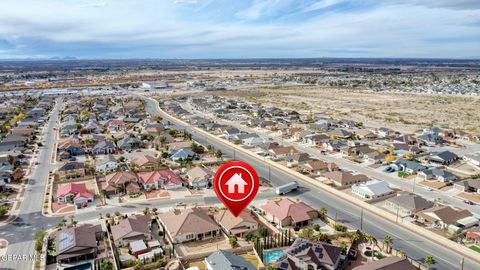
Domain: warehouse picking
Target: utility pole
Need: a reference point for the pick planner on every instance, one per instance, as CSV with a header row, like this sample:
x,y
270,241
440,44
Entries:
x,y
462,261
413,190
361,219
269,173
398,209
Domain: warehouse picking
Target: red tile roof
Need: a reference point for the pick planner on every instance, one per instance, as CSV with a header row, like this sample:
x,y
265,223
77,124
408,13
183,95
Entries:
x,y
168,177
72,188
297,211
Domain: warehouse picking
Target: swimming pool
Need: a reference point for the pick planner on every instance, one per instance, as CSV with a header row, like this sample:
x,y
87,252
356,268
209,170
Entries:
x,y
274,255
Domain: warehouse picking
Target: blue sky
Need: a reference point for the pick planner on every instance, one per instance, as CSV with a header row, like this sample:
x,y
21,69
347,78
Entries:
x,y
97,29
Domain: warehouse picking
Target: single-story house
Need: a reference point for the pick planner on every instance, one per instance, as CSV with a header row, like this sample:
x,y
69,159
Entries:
x,y
298,159
447,217
407,204
341,178
77,244
372,189
316,167
71,170
145,162
387,263
127,181
75,193
438,174
282,152
166,179
237,226
104,148
287,212
184,153
307,254
133,228
191,224
223,259
199,177
471,185
106,164
444,157
408,166
473,158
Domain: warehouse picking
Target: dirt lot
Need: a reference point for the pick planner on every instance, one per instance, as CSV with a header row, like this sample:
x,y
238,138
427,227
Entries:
x,y
203,246
402,111
433,184
469,196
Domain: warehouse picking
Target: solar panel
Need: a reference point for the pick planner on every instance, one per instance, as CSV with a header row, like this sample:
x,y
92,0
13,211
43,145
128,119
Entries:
x,y
66,240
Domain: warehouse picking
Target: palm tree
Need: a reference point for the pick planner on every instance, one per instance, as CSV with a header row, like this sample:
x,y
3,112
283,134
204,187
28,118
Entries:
x,y
429,260
118,188
343,246
322,237
354,236
371,239
388,240
10,159
103,192
162,140
307,233
73,221
218,154
322,212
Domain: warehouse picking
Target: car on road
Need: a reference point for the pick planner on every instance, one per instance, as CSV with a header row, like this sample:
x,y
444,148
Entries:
x,y
180,204
429,189
389,169
469,202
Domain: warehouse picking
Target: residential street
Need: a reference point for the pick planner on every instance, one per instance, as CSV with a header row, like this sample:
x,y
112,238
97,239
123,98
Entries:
x,y
20,232
415,246
350,165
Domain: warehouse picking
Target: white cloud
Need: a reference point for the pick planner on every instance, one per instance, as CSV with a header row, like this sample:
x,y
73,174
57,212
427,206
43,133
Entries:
x,y
322,4
152,28
188,2
101,4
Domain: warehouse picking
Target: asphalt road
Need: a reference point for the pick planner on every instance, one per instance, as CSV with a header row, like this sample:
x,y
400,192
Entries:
x,y
411,186
415,245
20,232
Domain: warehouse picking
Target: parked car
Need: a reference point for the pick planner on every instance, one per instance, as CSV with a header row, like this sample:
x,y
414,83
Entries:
x,y
469,202
180,204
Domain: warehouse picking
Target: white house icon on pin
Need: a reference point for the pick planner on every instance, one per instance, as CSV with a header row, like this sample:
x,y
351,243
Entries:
x,y
236,180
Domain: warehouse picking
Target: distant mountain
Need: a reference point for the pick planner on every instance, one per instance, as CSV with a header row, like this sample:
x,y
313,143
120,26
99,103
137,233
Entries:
x,y
63,58
32,59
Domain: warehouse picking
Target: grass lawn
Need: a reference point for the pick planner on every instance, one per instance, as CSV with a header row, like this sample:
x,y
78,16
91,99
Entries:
x,y
475,248
403,174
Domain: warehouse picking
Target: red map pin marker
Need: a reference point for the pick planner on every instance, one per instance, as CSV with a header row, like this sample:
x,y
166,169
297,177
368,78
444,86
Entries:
x,y
236,184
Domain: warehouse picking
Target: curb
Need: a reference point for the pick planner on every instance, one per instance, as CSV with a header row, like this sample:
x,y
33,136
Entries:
x,y
422,232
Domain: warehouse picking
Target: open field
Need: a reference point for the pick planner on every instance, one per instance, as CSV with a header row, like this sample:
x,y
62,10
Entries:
x,y
404,112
